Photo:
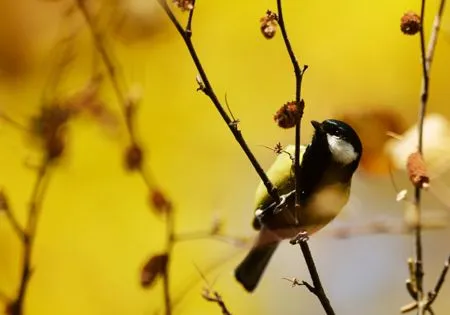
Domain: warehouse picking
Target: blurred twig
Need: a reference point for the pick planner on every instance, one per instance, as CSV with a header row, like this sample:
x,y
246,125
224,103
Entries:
x,y
214,296
426,59
211,295
134,154
206,87
298,86
29,235
317,287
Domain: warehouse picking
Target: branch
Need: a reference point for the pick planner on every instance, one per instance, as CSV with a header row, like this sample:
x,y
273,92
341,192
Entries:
x,y
216,298
433,294
16,307
298,101
205,87
5,207
170,240
134,153
316,288
302,239
426,59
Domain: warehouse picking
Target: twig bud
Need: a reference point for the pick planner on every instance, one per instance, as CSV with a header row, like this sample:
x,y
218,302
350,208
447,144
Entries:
x,y
289,114
417,170
4,205
269,23
184,5
159,202
410,23
156,266
133,157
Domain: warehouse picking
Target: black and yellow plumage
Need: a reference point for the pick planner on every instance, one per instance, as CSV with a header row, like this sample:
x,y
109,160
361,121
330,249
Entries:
x,y
327,166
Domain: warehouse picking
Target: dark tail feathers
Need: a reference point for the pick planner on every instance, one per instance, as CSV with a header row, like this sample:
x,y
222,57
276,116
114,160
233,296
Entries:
x,y
250,270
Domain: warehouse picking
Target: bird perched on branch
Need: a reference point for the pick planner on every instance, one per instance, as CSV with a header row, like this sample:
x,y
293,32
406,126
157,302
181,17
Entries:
x,y
327,166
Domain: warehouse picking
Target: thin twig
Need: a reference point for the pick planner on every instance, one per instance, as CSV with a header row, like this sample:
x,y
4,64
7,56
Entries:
x,y
434,294
170,240
206,87
127,109
14,123
216,298
426,59
18,229
298,85
317,288
30,235
211,295
110,69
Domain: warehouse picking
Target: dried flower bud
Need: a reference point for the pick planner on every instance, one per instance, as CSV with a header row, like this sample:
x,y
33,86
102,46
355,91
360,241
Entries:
x,y
159,202
289,114
278,149
156,266
49,128
54,146
269,24
410,23
184,5
4,205
12,307
133,157
417,170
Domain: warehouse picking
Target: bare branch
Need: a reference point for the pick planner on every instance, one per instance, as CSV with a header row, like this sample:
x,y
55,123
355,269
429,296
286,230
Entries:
x,y
206,87
301,239
316,288
426,59
215,297
298,84
38,192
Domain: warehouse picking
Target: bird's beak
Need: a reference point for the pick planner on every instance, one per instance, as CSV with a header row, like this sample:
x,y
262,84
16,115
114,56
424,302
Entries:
x,y
317,125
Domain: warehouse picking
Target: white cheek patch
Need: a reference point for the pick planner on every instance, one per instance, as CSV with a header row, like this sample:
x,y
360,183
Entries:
x,y
342,151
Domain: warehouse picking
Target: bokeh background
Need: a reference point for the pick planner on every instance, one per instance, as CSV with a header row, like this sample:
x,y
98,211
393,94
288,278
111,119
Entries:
x,y
97,229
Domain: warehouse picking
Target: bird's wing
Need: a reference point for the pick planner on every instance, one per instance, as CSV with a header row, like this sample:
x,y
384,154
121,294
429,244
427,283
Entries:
x,y
280,174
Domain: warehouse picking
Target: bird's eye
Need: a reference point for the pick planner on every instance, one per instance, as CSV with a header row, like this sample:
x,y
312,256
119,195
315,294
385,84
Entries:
x,y
336,132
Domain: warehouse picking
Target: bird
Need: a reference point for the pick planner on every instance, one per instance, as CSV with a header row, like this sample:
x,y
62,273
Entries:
x,y
327,166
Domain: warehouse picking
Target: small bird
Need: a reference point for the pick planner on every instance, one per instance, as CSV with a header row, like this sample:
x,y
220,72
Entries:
x,y
327,166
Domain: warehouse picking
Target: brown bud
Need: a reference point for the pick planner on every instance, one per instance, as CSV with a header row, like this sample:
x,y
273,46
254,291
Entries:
x,y
269,23
54,146
278,149
289,114
159,202
410,23
156,266
417,170
12,307
184,5
4,204
133,157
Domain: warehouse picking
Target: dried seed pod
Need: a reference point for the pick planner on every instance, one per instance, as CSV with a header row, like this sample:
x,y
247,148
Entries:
x,y
4,204
410,23
133,157
184,5
159,202
417,170
156,266
269,23
289,114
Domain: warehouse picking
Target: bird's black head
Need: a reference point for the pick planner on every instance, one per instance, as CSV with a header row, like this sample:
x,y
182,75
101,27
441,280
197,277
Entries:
x,y
341,141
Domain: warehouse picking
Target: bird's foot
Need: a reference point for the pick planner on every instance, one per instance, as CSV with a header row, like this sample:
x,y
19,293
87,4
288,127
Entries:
x,y
300,238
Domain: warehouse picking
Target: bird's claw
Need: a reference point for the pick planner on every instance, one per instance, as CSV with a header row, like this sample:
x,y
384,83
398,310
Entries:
x,y
300,238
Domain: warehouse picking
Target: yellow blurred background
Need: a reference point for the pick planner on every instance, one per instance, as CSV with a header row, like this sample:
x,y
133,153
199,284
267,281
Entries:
x,y
97,229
